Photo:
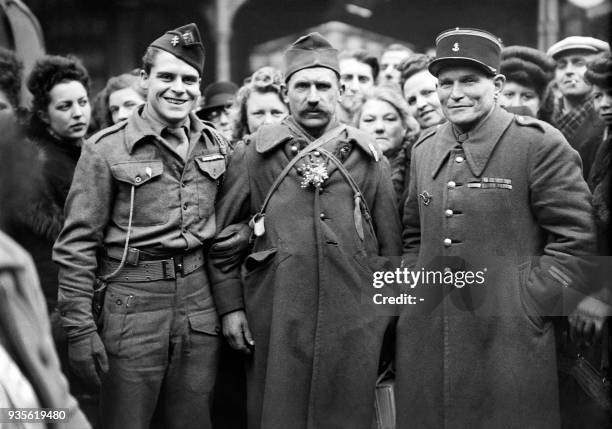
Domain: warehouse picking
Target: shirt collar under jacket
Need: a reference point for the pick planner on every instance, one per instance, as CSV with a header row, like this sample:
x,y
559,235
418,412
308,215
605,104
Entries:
x,y
140,125
477,144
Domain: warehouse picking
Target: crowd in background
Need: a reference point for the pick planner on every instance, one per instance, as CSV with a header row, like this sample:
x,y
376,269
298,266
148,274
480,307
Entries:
x,y
393,98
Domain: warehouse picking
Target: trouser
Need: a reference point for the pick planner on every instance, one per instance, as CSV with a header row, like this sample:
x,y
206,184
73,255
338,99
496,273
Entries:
x,y
162,341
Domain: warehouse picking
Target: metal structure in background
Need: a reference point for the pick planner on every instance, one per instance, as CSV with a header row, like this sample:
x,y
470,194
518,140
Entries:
x,y
20,31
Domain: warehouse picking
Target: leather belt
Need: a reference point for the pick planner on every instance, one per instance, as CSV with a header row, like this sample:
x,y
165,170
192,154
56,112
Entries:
x,y
141,266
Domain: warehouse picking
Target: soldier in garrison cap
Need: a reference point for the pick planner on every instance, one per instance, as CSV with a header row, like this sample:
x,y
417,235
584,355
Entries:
x,y
319,198
498,209
573,112
139,216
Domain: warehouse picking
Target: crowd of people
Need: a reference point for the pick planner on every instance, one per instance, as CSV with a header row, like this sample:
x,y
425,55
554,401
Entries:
x,y
206,255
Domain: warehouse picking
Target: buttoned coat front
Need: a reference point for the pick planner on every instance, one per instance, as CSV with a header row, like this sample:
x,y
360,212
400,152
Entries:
x,y
508,203
307,291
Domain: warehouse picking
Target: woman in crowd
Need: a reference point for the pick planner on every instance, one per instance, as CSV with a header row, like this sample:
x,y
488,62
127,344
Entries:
x,y
528,73
119,98
259,101
58,123
419,89
385,116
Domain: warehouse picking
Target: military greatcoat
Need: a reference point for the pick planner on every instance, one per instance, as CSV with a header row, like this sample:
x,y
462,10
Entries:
x,y
507,199
307,291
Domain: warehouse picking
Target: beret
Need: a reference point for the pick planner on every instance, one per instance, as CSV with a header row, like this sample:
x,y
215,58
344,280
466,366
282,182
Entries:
x,y
312,50
184,43
577,43
467,46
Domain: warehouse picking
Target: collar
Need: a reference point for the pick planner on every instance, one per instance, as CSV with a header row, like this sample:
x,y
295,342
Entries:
x,y
141,125
478,144
269,137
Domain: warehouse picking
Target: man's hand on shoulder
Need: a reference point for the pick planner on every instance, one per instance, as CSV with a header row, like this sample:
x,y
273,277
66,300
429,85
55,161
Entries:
x,y
236,331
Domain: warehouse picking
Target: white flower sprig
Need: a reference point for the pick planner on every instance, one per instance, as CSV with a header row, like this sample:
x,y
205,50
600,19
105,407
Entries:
x,y
315,174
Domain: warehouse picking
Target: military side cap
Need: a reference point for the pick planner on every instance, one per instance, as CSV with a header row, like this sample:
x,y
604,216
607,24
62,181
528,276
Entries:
x,y
467,46
578,43
184,43
312,50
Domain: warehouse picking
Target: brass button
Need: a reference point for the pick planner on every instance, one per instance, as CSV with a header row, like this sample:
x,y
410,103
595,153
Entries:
x,y
138,179
322,215
294,149
447,242
451,185
316,153
459,159
448,213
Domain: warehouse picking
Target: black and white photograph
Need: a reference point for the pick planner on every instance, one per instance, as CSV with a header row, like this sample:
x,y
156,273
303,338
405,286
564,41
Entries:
x,y
289,214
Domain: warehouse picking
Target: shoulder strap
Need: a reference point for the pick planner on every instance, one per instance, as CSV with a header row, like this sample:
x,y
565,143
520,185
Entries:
x,y
325,138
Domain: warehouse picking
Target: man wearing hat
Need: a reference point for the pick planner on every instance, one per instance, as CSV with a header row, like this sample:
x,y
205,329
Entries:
x,y
218,98
319,198
139,216
573,113
498,209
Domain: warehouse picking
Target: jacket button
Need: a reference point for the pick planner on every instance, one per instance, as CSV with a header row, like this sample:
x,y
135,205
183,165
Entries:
x,y
294,149
448,213
322,215
185,206
183,184
316,153
118,302
447,242
451,185
459,159
138,179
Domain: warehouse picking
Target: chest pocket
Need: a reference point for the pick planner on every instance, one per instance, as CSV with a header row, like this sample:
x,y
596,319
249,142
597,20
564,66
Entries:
x,y
211,168
149,205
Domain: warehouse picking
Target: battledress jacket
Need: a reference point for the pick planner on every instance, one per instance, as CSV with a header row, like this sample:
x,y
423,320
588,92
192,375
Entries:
x,y
510,202
308,283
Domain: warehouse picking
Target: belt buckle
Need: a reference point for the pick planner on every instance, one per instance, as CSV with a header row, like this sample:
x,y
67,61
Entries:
x,y
179,264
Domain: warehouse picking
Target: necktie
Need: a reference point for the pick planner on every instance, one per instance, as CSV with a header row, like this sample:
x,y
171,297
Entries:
x,y
178,139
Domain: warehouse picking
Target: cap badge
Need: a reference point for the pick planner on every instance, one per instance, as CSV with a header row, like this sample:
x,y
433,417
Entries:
x,y
188,38
174,41
455,47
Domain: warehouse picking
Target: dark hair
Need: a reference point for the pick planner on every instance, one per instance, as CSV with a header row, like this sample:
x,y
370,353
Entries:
x,y
149,58
599,71
528,67
48,72
11,71
412,65
263,80
101,112
363,57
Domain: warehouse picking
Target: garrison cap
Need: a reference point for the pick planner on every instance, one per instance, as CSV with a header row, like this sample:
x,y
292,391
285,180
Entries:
x,y
578,43
312,50
184,43
467,46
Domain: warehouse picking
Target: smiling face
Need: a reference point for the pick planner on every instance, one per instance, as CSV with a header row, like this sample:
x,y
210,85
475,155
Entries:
x,y
121,103
467,95
264,108
514,94
381,120
423,102
312,94
569,74
173,88
69,111
357,78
